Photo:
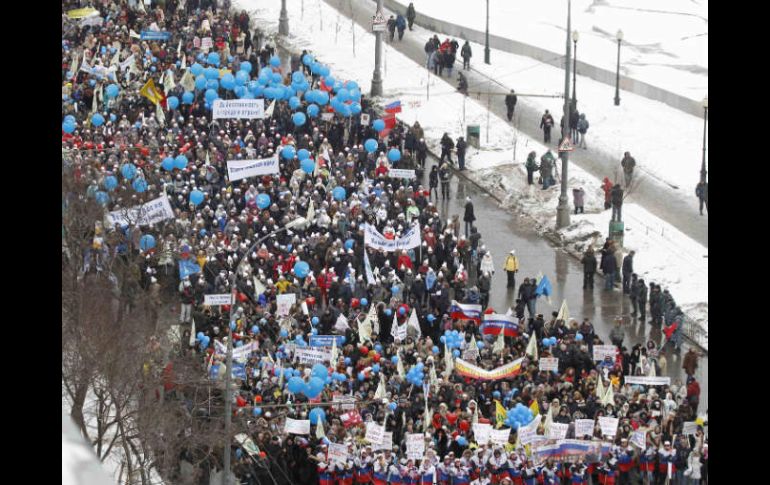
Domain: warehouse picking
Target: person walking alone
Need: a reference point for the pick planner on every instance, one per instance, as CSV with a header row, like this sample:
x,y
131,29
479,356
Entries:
x,y
546,123
589,268
433,182
410,14
466,54
446,147
444,175
628,270
616,197
582,129
392,27
401,26
628,163
702,192
510,104
511,267
461,147
469,216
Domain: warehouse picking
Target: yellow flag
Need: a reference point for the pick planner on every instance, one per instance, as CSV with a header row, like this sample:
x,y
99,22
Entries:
x,y
535,408
151,92
500,414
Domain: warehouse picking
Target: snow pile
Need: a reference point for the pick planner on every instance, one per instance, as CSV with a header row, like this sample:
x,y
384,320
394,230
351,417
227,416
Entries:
x,y
79,465
347,49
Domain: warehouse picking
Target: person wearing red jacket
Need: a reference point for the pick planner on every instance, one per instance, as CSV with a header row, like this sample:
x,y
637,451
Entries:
x,y
404,261
382,169
607,187
693,392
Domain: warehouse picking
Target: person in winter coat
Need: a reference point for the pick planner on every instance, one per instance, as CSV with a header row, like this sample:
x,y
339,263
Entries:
x,y
641,299
511,267
446,147
510,104
466,54
617,202
702,192
449,58
690,362
589,268
617,334
531,166
546,123
609,268
392,27
628,269
421,150
578,196
582,129
401,26
546,169
461,146
693,470
628,163
607,188
433,182
444,174
469,217
410,14
528,296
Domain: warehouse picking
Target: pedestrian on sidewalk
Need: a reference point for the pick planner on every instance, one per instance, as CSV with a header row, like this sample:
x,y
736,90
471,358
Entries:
x,y
589,268
546,169
607,188
422,152
446,147
574,117
466,54
546,123
510,104
609,267
641,299
617,202
528,296
511,267
401,26
392,27
628,163
410,14
430,48
702,192
460,147
531,166
462,84
628,270
578,197
433,182
444,174
469,216
582,128
449,61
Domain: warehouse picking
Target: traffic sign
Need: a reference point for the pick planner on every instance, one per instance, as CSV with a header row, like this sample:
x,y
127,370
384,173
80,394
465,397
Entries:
x,y
566,146
379,24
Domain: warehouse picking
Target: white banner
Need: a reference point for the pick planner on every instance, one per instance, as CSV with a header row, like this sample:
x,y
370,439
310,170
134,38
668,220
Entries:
x,y
241,169
206,43
549,363
284,303
639,439
415,445
312,356
528,433
401,173
152,212
609,425
239,108
648,381
387,442
373,238
337,453
127,63
365,119
481,431
349,401
602,351
216,300
689,427
241,354
327,116
499,436
584,427
557,431
374,433
297,426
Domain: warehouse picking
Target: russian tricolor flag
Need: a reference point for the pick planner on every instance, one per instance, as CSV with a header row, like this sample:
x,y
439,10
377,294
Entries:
x,y
427,479
494,323
465,311
394,107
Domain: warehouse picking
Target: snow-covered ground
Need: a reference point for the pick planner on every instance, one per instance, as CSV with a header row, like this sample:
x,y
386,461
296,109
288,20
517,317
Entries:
x,y
664,255
665,42
79,465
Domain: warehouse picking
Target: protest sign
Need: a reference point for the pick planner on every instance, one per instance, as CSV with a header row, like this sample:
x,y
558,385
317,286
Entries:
x,y
549,363
415,445
312,356
689,427
217,300
557,431
284,303
527,434
639,439
337,453
609,425
401,173
152,212
602,351
327,116
374,433
348,402
206,43
648,381
153,35
499,436
326,340
584,427
241,169
247,444
365,119
481,432
351,418
297,426
373,238
387,442
239,108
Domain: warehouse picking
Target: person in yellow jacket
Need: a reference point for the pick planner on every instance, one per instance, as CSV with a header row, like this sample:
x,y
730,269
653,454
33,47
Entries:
x,y
282,285
511,266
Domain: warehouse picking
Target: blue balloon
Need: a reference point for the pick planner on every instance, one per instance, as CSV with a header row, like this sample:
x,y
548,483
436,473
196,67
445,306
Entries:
x,y
322,98
462,441
294,102
371,145
212,84
496,394
579,337
388,312
314,387
168,164
312,110
456,353
394,155
303,154
355,94
435,349
211,73
276,78
241,78
392,406
102,197
112,90
361,376
364,302
139,185
246,67
347,361
307,59
296,385
70,119
283,333
339,193
211,95
394,359
301,269
317,414
378,125
213,58
200,83
128,170
97,119
395,289
307,165
319,370
228,81
480,345
314,320
324,71
275,61
355,108
349,244
299,119
240,91
110,182
263,201
376,368
196,69
196,197
288,152
180,162
173,102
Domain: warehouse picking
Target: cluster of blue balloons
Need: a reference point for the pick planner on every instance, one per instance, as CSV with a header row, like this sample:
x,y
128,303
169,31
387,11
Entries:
x,y
301,269
452,339
203,340
416,374
518,416
549,342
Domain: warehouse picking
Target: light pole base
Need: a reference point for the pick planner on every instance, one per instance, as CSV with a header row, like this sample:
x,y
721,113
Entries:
x,y
283,24
486,55
562,214
617,101
376,86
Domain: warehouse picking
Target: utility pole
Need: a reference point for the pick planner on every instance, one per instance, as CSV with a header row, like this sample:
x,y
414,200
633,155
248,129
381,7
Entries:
x,y
283,20
377,76
562,211
619,37
486,42
705,125
575,36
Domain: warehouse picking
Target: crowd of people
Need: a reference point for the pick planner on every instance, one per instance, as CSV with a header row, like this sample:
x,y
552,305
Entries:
x,y
334,299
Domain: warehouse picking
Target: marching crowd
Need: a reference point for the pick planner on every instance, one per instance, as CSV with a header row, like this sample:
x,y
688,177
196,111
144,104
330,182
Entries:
x,y
335,226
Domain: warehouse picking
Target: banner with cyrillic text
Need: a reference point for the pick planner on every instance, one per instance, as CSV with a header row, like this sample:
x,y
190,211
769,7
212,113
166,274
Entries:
x,y
647,380
374,239
152,212
297,426
241,169
217,300
239,108
311,356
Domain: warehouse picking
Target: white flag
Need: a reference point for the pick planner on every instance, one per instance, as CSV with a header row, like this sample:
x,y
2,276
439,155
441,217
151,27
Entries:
x,y
380,392
609,396
415,323
499,343
563,312
433,376
368,268
600,388
335,353
160,115
310,213
400,366
192,334
448,362
319,430
342,323
116,58
532,347
188,81
365,327
269,110
259,288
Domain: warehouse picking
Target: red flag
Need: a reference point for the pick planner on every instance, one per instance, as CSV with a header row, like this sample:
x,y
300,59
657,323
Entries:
x,y
390,120
351,418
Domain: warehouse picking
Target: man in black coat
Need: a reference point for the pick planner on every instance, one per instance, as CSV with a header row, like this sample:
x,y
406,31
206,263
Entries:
x,y
433,182
628,269
446,147
461,146
616,197
589,268
510,104
469,217
609,268
466,54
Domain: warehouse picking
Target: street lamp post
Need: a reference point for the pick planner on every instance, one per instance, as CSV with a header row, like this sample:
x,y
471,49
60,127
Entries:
x,y
705,121
562,211
377,76
486,40
618,36
283,21
575,36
